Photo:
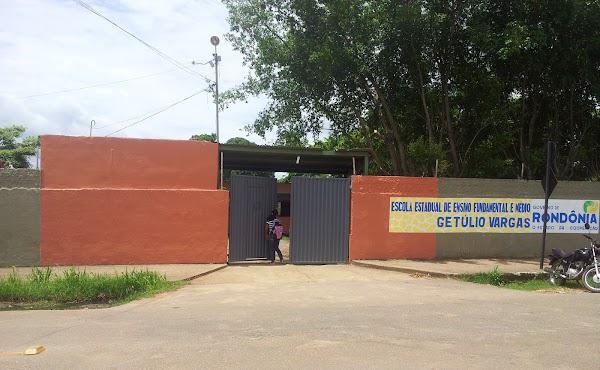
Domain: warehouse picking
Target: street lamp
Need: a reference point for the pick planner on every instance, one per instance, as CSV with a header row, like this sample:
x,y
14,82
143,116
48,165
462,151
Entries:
x,y
92,125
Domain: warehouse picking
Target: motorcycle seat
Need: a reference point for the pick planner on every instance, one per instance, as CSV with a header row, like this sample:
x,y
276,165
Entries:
x,y
557,252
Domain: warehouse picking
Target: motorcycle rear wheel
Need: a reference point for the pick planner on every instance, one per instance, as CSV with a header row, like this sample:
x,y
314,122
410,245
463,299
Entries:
x,y
557,280
591,280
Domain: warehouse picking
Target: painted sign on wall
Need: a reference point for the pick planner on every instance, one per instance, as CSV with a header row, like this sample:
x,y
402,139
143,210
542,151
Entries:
x,y
491,215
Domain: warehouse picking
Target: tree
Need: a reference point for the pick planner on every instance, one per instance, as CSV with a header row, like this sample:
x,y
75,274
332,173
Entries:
x,y
213,138
478,86
205,137
240,141
14,150
228,173
234,141
546,55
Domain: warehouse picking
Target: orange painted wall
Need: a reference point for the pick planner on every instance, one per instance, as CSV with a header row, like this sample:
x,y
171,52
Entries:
x,y
131,201
115,226
369,223
99,162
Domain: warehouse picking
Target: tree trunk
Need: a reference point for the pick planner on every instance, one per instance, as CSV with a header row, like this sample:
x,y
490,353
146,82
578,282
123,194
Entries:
x,y
523,153
531,135
428,125
365,126
403,160
394,143
390,144
571,121
449,128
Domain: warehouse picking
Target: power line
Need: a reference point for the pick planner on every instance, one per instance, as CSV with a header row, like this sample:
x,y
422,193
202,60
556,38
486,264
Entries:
x,y
157,51
156,113
123,121
95,85
154,49
130,118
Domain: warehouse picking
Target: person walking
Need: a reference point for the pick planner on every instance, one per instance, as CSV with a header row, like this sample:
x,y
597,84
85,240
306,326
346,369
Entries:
x,y
274,233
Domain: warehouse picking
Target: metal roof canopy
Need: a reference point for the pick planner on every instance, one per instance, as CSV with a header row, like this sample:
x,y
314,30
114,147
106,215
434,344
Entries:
x,y
289,159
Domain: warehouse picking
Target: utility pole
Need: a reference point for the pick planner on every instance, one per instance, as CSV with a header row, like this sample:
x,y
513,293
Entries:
x,y
548,184
92,124
214,40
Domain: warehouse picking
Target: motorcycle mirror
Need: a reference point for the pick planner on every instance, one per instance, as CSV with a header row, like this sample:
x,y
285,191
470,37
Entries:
x,y
587,226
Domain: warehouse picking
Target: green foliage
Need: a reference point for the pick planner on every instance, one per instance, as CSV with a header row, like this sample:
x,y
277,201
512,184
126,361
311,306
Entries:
x,y
205,137
497,278
288,177
479,86
213,138
78,287
494,277
540,284
40,275
240,141
234,141
14,150
228,173
423,157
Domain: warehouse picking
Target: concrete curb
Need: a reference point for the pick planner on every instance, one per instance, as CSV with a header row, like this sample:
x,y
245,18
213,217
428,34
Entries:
x,y
401,269
204,273
509,275
520,276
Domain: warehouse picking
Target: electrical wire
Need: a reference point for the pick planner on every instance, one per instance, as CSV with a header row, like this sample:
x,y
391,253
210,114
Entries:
x,y
203,63
131,118
95,85
156,113
123,121
154,49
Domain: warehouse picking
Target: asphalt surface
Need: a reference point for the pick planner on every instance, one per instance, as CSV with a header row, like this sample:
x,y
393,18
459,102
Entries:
x,y
313,317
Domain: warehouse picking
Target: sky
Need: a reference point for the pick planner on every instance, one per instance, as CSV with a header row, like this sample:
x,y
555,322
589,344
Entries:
x,y
53,45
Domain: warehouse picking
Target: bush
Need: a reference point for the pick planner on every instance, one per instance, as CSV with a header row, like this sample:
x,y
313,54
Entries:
x,y
76,287
494,277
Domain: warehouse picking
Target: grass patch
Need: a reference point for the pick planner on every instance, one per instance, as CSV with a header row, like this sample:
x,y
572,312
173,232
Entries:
x,y
44,288
497,278
494,277
540,284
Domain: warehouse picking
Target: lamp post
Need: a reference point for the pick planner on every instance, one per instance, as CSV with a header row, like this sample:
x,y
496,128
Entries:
x,y
214,40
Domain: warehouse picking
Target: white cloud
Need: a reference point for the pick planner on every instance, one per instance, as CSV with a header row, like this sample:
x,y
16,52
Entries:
x,y
50,45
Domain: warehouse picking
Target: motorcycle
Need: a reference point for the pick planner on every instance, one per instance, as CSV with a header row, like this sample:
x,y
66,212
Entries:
x,y
581,265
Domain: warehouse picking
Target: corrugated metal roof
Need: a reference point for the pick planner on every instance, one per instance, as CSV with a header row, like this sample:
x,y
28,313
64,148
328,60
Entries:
x,y
286,159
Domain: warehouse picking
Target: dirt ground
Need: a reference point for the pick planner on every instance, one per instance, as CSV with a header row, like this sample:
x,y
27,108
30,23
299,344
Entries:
x,y
314,317
284,245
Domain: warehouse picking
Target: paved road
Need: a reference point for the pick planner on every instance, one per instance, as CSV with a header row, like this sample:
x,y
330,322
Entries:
x,y
345,317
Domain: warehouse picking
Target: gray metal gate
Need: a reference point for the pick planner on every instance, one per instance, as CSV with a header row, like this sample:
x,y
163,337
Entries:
x,y
320,220
251,200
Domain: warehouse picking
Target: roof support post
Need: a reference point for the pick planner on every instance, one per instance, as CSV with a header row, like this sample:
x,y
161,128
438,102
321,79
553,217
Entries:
x,y
221,170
